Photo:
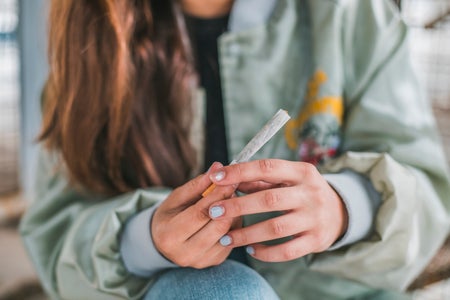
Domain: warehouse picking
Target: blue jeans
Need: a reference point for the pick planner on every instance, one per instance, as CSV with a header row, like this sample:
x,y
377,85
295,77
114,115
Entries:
x,y
230,280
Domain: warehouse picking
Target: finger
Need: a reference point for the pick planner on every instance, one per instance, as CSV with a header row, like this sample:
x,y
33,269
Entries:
x,y
206,245
208,236
191,191
268,170
279,199
219,193
196,216
275,228
252,187
293,249
212,257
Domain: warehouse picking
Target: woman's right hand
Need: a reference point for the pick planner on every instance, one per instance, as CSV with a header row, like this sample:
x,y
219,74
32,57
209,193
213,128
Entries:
x,y
182,229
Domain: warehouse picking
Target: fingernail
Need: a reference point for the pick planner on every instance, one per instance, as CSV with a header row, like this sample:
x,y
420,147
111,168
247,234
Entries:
x,y
216,211
213,164
225,240
250,250
218,176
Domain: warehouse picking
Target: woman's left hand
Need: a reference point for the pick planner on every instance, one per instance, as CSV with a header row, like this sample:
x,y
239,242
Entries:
x,y
313,213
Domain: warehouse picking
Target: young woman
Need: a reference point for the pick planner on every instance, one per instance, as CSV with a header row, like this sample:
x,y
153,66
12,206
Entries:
x,y
145,95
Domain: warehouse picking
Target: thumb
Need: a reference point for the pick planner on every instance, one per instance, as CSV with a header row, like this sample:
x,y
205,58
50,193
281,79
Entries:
x,y
191,191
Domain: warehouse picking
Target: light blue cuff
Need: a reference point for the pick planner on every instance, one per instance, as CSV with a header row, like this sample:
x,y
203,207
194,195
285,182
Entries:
x,y
138,252
362,202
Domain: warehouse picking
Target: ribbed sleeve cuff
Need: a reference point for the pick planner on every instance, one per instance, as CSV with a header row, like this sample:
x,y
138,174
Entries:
x,y
362,202
138,252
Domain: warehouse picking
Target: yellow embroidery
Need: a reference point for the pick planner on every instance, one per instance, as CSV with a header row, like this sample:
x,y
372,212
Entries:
x,y
332,105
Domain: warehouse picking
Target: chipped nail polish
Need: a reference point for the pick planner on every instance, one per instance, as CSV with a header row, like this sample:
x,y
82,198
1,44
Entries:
x,y
250,250
216,211
225,240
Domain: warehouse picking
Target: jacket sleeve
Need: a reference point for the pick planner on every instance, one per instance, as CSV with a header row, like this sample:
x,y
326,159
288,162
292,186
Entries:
x,y
73,239
390,137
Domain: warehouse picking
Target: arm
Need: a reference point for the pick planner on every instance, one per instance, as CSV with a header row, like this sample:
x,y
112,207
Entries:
x,y
137,248
390,138
73,239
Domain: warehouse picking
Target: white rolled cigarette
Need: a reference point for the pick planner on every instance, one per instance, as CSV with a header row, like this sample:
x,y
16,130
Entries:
x,y
259,140
262,137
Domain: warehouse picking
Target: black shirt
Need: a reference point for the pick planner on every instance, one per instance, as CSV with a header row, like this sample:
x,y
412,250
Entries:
x,y
204,36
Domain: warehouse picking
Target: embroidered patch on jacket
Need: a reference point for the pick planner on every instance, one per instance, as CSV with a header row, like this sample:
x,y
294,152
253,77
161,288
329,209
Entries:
x,y
315,133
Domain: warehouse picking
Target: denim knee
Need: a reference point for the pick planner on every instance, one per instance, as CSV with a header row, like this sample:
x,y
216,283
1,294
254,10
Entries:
x,y
230,280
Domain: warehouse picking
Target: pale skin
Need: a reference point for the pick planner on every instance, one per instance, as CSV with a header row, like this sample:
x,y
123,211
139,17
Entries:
x,y
185,232
206,8
182,229
314,215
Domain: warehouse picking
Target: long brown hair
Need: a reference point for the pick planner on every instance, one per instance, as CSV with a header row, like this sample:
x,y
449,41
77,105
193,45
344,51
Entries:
x,y
116,104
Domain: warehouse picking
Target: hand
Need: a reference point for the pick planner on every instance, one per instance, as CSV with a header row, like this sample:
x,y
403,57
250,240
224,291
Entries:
x,y
182,230
314,214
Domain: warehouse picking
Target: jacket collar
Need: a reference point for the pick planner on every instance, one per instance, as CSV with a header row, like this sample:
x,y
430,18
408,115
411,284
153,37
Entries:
x,y
246,14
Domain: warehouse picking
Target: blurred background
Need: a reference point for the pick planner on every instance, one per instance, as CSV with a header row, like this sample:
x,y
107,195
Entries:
x,y
23,70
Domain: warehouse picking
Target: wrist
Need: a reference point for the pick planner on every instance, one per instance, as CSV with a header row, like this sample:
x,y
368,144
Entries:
x,y
361,202
343,213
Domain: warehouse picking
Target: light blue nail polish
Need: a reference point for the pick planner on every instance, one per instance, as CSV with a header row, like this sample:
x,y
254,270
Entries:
x,y
219,176
225,240
216,211
250,250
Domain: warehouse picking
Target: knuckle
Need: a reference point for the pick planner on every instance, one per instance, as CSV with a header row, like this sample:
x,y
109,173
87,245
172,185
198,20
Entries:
x,y
266,165
171,199
192,184
202,213
238,168
321,201
309,170
277,227
240,238
222,226
290,253
316,194
235,207
271,199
